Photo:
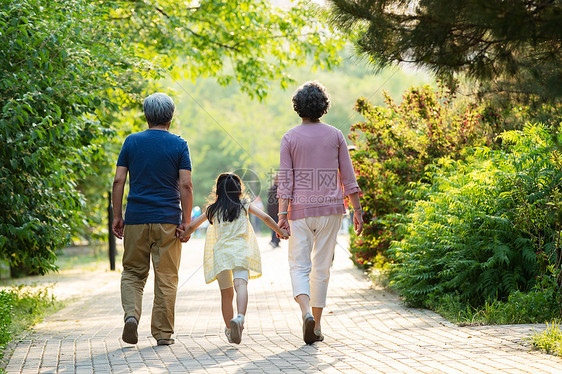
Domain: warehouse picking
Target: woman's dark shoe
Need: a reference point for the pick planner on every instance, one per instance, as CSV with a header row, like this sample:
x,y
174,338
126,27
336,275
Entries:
x,y
308,334
319,335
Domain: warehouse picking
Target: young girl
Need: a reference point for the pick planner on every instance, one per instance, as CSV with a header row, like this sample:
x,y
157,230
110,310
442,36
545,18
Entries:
x,y
232,255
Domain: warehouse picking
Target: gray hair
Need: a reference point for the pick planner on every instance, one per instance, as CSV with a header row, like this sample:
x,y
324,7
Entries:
x,y
158,109
311,100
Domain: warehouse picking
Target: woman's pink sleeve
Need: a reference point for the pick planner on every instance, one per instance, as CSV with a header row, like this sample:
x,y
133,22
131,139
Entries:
x,y
286,183
347,174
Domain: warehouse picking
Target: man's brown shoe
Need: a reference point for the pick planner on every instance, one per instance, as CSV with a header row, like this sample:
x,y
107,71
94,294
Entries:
x,y
130,334
165,341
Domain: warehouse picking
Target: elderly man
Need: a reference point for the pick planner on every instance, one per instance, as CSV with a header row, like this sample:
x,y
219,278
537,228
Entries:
x,y
159,166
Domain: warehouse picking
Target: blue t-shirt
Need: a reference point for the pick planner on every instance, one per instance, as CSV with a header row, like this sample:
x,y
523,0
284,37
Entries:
x,y
154,158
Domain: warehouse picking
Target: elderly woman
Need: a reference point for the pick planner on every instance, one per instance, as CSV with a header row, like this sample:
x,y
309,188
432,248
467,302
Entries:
x,y
315,166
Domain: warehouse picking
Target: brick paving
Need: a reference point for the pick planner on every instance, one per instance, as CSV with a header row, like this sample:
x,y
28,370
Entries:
x,y
367,330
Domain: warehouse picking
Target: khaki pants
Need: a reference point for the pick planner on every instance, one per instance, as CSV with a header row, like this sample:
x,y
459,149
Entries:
x,y
311,250
141,242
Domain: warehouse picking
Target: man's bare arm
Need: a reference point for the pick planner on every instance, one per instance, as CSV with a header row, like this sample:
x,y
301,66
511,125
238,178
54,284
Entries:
x,y
117,200
186,198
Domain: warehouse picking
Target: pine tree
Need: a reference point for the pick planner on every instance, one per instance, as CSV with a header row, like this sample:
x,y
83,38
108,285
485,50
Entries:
x,y
511,46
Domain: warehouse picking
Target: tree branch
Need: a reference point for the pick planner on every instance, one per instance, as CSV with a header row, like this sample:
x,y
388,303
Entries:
x,y
226,46
159,10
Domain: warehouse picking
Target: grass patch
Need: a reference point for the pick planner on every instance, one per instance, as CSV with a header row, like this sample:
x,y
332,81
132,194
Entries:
x,y
89,258
83,262
22,307
550,340
520,308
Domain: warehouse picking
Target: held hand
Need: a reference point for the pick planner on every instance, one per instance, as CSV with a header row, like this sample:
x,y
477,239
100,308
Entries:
x,y
285,234
283,223
358,222
180,233
117,227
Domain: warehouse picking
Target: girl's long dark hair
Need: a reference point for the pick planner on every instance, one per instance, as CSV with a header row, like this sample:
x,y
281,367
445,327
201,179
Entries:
x,y
227,205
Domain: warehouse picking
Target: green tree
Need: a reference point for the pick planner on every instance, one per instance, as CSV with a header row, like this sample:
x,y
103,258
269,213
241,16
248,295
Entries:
x,y
249,42
513,46
59,67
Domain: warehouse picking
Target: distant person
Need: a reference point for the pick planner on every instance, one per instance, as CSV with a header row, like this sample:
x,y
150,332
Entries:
x,y
273,209
314,167
232,255
195,212
159,169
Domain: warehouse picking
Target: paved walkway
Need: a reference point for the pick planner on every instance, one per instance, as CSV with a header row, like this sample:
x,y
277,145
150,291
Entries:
x,y
367,331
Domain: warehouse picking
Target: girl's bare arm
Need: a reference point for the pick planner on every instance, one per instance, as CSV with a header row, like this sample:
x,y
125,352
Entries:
x,y
193,225
268,221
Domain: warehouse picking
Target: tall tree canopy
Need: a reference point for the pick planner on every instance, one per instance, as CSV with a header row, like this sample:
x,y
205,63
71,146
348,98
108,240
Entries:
x,y
514,46
247,41
74,71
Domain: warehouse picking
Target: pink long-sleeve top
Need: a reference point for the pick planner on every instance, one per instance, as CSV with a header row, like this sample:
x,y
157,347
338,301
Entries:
x,y
314,167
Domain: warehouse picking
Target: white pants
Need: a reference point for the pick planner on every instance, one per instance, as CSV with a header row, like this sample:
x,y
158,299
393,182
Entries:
x,y
311,250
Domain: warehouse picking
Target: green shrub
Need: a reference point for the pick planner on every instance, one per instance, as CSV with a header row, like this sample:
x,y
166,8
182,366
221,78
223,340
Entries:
x,y
393,147
485,228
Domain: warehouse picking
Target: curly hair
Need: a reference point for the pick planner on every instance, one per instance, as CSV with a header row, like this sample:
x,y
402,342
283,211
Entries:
x,y
311,100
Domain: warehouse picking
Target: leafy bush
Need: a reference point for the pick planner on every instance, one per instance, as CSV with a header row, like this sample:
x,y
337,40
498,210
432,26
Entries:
x,y
547,114
393,147
485,228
